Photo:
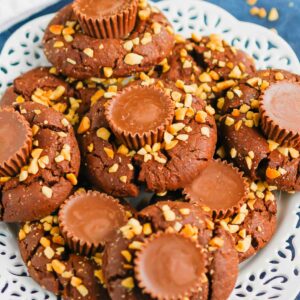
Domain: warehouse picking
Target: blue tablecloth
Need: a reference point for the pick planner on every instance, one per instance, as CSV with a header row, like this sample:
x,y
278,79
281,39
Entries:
x,y
287,25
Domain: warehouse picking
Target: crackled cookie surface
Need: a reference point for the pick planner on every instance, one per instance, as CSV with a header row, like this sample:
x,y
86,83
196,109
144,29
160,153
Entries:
x,y
51,263
50,171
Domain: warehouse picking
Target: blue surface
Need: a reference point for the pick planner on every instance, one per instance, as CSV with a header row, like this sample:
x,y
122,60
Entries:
x,y
287,25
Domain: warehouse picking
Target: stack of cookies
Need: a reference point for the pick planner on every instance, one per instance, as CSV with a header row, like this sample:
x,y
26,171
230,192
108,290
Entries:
x,y
130,110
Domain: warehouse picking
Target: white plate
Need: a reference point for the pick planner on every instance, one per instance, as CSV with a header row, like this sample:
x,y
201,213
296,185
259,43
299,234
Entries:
x,y
272,274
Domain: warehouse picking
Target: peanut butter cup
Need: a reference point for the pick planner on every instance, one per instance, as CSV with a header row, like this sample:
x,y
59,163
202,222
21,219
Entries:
x,y
220,186
106,18
89,219
170,266
15,141
139,115
280,109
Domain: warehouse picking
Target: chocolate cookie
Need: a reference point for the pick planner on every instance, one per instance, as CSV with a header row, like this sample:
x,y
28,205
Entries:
x,y
39,85
50,171
243,138
246,210
157,149
74,53
212,79
216,54
46,86
51,263
142,261
251,88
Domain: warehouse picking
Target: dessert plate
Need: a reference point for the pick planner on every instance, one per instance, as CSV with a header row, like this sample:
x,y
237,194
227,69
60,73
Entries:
x,y
274,273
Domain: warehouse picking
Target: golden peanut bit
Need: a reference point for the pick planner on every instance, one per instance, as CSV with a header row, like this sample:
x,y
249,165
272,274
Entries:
x,y
135,245
273,173
168,214
273,15
244,244
58,44
108,72
131,229
114,168
84,125
64,155
205,131
89,52
123,179
128,283
98,95
109,152
65,122
82,290
22,235
233,153
103,133
90,148
189,230
128,46
49,252
99,275
133,59
216,242
210,224
47,192
142,4
48,97
145,14
260,12
242,233
56,29
224,85
127,255
23,175
147,230
72,178
71,61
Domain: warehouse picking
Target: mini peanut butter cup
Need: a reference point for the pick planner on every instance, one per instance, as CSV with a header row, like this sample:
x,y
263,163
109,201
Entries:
x,y
105,19
90,219
220,186
280,111
15,142
139,115
170,266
